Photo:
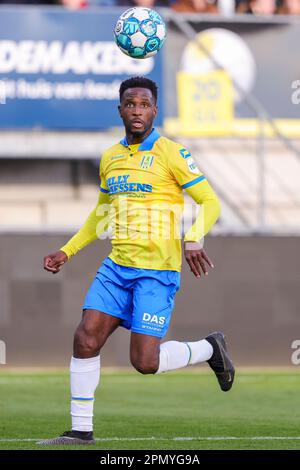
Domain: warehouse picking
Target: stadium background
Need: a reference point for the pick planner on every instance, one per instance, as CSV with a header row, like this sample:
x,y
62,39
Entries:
x,y
249,148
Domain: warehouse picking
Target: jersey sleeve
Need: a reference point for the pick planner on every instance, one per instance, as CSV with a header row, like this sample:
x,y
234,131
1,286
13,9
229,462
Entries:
x,y
95,224
204,195
93,227
103,186
183,167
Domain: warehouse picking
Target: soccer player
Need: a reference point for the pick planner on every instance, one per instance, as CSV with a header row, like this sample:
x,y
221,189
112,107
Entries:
x,y
142,179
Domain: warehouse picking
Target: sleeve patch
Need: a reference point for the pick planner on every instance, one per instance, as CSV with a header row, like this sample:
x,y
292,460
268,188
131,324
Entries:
x,y
184,153
192,166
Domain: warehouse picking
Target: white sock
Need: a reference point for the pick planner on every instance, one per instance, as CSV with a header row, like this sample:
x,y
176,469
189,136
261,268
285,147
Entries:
x,y
201,351
175,354
85,375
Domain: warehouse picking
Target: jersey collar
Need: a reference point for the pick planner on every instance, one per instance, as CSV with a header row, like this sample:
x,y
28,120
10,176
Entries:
x,y
148,143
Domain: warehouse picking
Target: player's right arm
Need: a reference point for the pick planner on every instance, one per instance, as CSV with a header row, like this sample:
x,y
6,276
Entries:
x,y
95,224
93,227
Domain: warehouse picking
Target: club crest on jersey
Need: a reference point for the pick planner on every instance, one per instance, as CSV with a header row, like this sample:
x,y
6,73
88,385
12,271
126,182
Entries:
x,y
147,161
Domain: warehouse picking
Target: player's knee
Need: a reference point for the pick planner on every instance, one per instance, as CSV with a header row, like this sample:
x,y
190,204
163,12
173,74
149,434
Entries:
x,y
85,343
145,365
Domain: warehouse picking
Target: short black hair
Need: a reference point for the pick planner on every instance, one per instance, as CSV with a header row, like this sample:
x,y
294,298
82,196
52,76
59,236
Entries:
x,y
138,82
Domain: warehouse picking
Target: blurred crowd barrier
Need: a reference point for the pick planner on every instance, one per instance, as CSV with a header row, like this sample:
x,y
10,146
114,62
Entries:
x,y
222,7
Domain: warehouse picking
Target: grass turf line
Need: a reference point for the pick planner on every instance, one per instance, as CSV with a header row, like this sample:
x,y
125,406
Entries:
x,y
181,404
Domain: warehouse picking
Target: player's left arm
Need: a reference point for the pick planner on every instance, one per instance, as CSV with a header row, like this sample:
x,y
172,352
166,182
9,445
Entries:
x,y
187,174
210,209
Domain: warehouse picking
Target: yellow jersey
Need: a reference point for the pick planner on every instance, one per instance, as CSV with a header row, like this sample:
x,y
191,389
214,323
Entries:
x,y
145,185
141,199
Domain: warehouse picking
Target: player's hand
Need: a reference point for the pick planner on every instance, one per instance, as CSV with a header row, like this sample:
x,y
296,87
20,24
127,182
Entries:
x,y
197,259
54,262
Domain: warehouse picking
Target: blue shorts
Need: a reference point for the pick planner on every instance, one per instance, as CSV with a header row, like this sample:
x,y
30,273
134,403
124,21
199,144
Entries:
x,y
142,298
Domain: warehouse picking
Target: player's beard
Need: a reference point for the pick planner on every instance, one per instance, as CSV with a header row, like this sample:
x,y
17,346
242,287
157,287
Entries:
x,y
139,133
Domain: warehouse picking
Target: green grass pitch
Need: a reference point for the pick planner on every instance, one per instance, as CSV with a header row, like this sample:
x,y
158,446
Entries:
x,y
179,410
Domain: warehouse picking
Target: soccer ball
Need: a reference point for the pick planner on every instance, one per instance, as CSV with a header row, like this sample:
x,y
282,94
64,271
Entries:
x,y
140,32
